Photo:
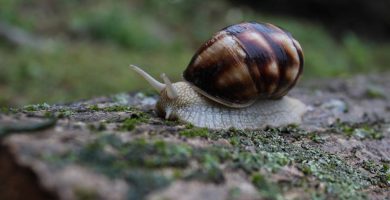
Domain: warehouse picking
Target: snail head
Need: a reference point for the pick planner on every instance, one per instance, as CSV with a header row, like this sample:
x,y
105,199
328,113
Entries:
x,y
172,95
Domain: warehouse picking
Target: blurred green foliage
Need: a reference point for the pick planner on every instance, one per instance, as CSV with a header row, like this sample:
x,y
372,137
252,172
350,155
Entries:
x,y
93,42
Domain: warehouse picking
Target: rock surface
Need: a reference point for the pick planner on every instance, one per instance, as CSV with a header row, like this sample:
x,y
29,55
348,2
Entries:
x,y
116,148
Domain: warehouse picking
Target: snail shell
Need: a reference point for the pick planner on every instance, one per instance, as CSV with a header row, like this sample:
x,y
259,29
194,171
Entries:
x,y
245,62
238,78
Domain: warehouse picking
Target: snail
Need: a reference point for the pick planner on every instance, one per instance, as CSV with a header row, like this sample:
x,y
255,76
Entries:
x,y
238,78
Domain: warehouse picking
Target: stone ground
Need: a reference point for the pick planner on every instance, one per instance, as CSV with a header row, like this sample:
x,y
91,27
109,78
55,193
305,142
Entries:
x,y
116,148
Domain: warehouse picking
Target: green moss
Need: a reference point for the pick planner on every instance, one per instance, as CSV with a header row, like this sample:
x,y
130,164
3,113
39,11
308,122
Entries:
x,y
266,189
130,123
315,137
274,149
64,113
114,108
36,107
370,166
210,170
153,154
5,110
189,126
358,130
94,107
142,182
375,93
171,122
234,140
251,151
195,132
117,108
136,116
381,172
367,133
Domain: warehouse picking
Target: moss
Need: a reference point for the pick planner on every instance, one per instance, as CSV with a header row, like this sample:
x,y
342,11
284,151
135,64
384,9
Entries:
x,y
94,107
234,140
375,93
381,172
133,161
171,122
113,108
142,182
117,108
36,107
195,132
367,133
5,110
210,170
64,114
130,123
266,189
370,166
251,152
358,130
273,149
153,154
189,126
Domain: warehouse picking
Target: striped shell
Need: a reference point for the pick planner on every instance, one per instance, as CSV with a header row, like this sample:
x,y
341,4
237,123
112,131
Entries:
x,y
245,62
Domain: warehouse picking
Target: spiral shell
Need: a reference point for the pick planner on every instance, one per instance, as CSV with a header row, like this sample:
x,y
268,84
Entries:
x,y
245,62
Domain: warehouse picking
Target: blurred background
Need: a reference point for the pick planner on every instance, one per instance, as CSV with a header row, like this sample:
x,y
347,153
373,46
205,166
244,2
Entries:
x,y
66,50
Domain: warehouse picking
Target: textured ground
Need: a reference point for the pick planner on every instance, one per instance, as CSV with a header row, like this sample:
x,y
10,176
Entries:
x,y
116,148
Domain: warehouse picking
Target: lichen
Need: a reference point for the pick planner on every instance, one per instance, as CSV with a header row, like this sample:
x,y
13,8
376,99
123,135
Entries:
x,y
358,130
252,152
380,172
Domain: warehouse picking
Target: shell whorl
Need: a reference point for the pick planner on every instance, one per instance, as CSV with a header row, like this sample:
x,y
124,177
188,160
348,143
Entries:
x,y
245,62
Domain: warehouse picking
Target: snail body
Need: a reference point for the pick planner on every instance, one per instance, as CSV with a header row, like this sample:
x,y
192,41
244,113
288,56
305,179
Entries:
x,y
238,78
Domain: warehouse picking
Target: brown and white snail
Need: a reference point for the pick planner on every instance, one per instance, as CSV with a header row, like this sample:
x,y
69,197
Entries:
x,y
238,78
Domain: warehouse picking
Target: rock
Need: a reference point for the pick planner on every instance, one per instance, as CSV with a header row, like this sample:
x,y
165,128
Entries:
x,y
116,148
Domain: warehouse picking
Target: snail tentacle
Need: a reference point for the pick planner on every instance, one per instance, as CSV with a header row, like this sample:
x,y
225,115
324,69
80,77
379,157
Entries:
x,y
152,81
171,91
168,112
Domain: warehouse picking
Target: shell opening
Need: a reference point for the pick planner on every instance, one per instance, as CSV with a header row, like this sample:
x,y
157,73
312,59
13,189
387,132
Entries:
x,y
152,81
171,91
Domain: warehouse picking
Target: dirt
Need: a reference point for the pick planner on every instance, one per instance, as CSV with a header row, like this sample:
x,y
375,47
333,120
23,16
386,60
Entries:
x,y
116,148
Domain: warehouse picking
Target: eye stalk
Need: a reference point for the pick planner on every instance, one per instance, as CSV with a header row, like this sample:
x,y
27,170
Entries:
x,y
171,91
